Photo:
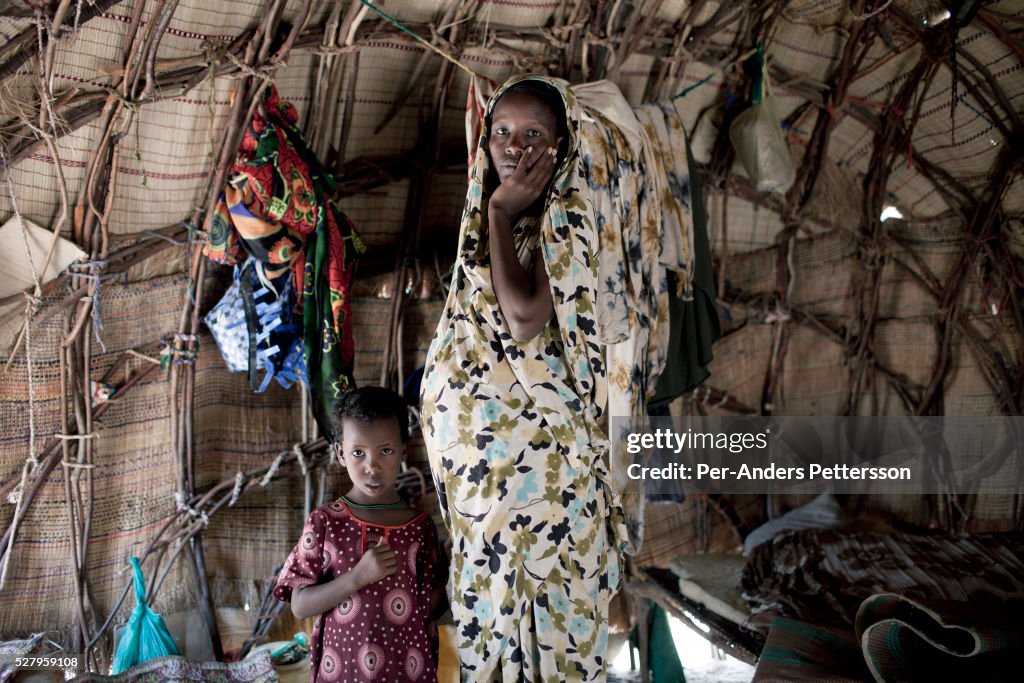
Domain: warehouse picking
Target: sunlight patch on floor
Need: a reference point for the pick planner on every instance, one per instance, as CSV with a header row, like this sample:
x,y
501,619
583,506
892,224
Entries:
x,y
702,661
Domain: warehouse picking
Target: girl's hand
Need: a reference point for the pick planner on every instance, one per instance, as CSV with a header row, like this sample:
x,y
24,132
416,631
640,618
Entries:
x,y
528,181
377,562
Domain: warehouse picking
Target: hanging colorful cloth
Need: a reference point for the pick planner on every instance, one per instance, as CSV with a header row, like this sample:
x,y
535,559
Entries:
x,y
277,207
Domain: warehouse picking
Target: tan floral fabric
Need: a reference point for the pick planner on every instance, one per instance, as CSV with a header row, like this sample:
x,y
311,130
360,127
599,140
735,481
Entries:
x,y
516,444
517,432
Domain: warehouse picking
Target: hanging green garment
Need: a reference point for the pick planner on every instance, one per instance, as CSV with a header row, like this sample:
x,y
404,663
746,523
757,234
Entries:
x,y
694,323
278,206
662,654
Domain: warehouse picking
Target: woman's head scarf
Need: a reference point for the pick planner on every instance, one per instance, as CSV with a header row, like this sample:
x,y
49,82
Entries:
x,y
567,237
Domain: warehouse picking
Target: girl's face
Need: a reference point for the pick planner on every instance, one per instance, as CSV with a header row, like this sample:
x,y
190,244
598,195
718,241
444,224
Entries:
x,y
372,452
519,120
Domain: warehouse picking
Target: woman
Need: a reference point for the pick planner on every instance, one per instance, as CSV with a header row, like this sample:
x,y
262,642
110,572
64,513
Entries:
x,y
513,399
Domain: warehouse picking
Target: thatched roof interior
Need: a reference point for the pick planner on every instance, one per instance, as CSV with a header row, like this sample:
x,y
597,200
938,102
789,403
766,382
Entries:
x,y
118,119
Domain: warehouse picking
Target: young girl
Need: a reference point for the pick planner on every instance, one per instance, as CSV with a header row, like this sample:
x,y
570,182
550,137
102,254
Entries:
x,y
369,565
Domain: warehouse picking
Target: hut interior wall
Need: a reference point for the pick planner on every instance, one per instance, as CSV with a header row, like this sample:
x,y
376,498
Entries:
x,y
126,166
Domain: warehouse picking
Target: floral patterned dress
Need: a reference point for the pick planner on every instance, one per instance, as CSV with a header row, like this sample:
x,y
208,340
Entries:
x,y
517,446
383,632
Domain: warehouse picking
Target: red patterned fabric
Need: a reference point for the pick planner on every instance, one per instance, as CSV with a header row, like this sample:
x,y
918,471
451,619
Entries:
x,y
383,632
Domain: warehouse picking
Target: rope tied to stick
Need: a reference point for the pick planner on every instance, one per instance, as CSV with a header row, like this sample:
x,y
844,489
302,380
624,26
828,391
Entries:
x,y
525,63
214,49
32,306
196,235
592,38
680,58
93,271
332,51
274,466
182,506
128,103
33,302
777,315
264,72
301,457
235,492
67,464
873,253
566,30
14,497
179,351
439,40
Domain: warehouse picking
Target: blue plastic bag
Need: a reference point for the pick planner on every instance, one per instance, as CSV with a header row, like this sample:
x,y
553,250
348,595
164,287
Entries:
x,y
145,636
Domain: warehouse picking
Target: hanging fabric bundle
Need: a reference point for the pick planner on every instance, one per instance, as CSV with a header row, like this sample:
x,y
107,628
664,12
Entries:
x,y
277,207
255,329
692,308
758,138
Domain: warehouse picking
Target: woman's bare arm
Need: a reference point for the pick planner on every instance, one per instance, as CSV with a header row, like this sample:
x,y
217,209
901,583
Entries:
x,y
523,296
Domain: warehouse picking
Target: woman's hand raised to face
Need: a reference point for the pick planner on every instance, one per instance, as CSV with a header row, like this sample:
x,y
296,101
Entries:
x,y
527,183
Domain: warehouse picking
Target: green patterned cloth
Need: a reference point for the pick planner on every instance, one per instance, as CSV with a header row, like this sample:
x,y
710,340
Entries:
x,y
933,640
694,324
900,640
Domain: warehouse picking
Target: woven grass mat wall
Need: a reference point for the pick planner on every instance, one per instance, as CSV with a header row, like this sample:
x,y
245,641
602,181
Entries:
x,y
134,475
815,377
167,151
236,430
816,370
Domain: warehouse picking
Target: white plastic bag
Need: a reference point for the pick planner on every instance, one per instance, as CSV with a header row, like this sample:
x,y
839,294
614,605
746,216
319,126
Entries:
x,y
761,148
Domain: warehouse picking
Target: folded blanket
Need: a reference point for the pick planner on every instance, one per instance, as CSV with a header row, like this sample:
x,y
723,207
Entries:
x,y
900,640
915,640
798,651
823,575
255,669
